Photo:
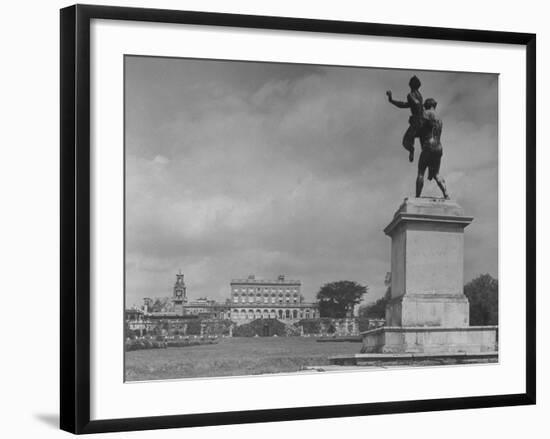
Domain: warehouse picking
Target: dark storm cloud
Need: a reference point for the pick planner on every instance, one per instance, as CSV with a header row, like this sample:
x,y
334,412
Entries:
x,y
237,168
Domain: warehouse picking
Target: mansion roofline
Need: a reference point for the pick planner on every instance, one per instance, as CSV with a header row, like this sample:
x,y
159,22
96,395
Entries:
x,y
271,305
280,280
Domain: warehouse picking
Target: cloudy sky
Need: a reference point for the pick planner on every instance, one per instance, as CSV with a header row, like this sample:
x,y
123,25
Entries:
x,y
235,168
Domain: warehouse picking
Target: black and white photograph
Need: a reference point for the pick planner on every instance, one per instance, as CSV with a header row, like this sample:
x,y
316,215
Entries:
x,y
275,219
285,218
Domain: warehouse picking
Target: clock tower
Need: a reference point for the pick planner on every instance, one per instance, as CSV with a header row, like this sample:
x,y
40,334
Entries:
x,y
180,294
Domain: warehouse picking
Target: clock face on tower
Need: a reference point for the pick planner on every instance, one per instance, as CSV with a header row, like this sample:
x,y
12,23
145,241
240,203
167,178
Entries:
x,y
179,293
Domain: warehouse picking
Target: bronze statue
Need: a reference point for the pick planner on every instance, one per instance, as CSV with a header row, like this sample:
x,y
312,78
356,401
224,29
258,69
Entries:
x,y
414,102
425,125
432,150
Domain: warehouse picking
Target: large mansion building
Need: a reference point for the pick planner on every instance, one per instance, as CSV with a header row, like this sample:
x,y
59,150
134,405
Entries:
x,y
280,299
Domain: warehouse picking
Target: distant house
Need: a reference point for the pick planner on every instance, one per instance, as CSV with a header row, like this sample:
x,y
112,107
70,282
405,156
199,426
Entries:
x,y
280,299
135,320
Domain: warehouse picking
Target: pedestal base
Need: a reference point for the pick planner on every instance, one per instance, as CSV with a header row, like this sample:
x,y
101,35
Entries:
x,y
402,339
447,310
340,362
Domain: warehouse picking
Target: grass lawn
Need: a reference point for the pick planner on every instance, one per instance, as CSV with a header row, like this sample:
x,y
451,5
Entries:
x,y
233,356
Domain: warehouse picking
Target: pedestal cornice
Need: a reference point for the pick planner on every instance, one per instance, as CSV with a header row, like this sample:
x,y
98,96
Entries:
x,y
428,210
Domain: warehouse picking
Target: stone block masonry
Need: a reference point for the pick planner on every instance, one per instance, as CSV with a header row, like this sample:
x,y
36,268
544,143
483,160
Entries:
x,y
428,311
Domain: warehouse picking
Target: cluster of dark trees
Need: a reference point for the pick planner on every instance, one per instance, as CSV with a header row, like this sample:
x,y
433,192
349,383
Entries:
x,y
337,299
482,293
376,310
161,304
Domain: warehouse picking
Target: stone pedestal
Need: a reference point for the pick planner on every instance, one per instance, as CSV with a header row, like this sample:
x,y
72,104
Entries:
x,y
428,311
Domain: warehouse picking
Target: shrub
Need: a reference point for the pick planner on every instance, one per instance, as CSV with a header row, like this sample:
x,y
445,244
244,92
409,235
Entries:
x,y
261,327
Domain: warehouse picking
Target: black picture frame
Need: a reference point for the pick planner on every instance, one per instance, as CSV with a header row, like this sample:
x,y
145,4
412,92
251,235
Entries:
x,y
75,217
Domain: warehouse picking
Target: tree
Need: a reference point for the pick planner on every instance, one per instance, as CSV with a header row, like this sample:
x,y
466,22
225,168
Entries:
x,y
336,299
376,310
482,293
162,304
